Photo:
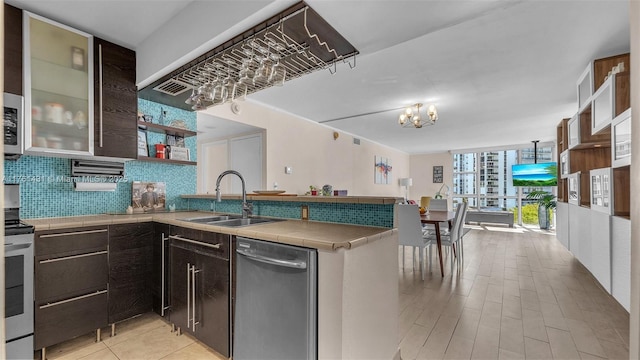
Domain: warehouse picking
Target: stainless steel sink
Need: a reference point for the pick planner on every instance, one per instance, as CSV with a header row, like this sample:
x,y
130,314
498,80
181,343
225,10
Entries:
x,y
243,222
212,218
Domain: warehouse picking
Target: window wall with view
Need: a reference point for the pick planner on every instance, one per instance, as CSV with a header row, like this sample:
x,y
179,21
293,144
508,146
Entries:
x,y
484,178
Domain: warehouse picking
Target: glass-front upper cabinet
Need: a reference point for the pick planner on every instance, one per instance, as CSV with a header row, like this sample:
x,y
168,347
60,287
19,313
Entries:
x,y
58,84
621,140
601,190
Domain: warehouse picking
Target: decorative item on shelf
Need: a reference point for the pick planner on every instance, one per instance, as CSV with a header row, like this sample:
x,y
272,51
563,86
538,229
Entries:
x,y
179,124
143,149
295,42
339,192
77,58
327,190
178,153
148,118
546,202
313,191
175,140
410,116
160,148
406,182
439,193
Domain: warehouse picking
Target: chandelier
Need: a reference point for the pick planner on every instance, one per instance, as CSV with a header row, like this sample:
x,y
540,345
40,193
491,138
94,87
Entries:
x,y
411,116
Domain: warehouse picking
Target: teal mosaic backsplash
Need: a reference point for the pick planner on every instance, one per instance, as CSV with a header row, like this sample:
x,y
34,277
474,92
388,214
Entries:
x,y
46,188
359,214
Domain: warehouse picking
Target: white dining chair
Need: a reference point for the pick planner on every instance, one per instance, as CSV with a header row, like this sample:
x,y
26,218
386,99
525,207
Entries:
x,y
410,232
449,238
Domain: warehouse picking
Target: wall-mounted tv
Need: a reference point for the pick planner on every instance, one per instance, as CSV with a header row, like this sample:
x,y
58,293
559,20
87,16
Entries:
x,y
542,174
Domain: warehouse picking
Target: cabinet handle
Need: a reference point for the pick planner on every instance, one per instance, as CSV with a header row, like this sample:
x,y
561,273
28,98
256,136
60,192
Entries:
x,y
180,238
162,301
73,233
100,88
73,257
188,294
48,305
193,297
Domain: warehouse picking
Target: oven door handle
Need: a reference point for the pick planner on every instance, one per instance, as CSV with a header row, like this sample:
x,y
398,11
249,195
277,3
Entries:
x,y
12,247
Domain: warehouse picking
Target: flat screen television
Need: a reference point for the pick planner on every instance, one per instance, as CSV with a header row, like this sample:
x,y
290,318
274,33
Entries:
x,y
541,174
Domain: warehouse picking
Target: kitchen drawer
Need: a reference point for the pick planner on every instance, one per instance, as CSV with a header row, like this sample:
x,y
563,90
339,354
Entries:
x,y
206,237
71,241
69,276
60,321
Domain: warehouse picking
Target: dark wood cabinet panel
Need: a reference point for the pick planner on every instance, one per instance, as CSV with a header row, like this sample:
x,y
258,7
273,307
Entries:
x,y
116,101
66,320
180,258
59,243
130,257
70,288
210,283
212,302
12,50
68,276
160,264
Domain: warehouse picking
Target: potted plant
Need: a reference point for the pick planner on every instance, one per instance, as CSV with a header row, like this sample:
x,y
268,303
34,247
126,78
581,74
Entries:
x,y
546,201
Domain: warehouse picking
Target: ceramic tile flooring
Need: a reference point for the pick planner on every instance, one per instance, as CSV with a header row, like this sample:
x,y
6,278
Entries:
x,y
519,295
145,337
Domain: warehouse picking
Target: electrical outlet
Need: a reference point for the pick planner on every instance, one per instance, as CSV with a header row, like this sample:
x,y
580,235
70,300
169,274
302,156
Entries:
x,y
304,212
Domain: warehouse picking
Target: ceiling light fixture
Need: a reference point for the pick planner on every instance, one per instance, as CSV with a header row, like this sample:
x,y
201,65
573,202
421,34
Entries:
x,y
411,117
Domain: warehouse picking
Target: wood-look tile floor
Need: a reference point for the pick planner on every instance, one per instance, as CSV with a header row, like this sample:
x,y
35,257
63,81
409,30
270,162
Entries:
x,y
145,337
520,294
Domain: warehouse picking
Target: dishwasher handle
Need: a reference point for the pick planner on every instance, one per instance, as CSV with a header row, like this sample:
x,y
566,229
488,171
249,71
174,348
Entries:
x,y
272,261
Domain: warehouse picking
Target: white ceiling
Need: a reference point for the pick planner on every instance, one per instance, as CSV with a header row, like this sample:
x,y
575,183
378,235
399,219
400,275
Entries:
x,y
500,72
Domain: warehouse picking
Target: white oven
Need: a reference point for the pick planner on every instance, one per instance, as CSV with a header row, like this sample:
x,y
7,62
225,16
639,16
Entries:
x,y
18,281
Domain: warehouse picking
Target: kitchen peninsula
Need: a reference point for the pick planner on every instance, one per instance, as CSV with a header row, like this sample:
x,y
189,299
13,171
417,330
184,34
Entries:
x,y
357,275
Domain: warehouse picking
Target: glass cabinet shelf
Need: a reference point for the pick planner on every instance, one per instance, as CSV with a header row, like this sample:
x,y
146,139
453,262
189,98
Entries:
x,y
58,87
621,140
601,190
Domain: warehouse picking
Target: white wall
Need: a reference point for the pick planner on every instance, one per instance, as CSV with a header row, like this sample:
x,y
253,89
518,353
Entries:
x,y
422,174
315,157
634,319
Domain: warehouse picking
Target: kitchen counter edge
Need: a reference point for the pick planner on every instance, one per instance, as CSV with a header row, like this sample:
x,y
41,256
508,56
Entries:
x,y
311,234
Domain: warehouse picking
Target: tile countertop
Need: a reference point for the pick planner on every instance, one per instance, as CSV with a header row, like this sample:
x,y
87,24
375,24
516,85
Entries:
x,y
318,235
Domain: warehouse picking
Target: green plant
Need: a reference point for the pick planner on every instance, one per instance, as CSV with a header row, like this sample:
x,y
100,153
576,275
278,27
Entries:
x,y
543,198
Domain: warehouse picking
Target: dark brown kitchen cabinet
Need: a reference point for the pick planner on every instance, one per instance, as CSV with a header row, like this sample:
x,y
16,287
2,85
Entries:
x,y
130,258
70,290
12,50
160,270
200,293
115,100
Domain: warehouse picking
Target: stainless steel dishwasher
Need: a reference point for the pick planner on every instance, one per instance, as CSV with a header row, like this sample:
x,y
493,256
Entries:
x,y
276,303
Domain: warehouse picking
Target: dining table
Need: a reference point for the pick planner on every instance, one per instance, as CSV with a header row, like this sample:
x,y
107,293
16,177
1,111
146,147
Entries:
x,y
435,217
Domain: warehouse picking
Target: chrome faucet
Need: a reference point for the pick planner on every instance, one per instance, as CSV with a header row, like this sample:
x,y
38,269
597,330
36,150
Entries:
x,y
247,208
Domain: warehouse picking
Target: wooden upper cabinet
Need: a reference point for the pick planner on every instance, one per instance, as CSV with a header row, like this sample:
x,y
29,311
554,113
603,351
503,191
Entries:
x,y
12,50
116,100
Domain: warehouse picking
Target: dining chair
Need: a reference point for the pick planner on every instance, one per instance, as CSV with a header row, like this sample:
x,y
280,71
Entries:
x,y
439,205
410,232
425,201
448,238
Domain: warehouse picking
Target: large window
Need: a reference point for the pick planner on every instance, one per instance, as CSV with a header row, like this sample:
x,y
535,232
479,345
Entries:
x,y
484,178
